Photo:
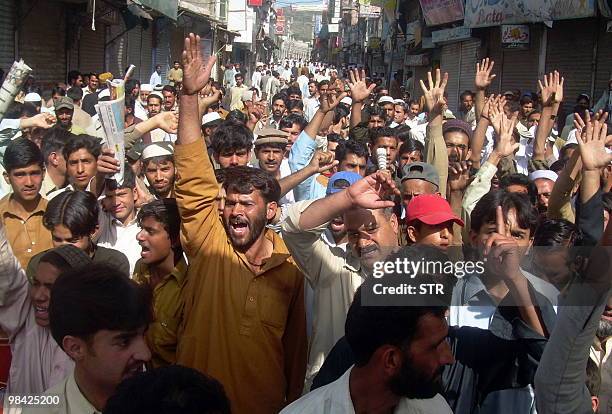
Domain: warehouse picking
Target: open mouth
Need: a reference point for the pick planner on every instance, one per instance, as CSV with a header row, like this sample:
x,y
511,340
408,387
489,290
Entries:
x,y
145,251
41,312
239,227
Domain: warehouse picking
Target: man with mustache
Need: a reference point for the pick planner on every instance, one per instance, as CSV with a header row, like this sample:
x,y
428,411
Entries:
x,y
106,345
316,233
244,321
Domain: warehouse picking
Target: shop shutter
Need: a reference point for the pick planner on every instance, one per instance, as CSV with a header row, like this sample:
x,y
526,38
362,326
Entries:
x,y
517,69
469,56
449,62
116,52
91,49
570,51
7,45
603,72
146,53
42,42
162,52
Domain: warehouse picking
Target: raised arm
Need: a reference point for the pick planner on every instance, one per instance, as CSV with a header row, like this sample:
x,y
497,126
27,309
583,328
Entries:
x,y
552,96
435,147
359,93
196,185
592,145
319,163
482,81
371,192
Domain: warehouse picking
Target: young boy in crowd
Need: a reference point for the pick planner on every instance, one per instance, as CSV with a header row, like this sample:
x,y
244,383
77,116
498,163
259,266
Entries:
x,y
163,268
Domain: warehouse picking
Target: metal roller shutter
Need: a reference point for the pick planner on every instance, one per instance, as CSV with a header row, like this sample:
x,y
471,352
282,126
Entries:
x,y
91,49
603,71
42,41
116,52
518,69
570,51
162,52
7,45
469,55
146,52
449,62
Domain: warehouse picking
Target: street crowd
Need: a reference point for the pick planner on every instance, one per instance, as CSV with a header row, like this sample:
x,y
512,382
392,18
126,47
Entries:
x,y
232,268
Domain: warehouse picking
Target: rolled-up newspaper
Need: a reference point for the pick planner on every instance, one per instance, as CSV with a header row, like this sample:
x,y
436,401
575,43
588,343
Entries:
x,y
10,88
381,158
112,118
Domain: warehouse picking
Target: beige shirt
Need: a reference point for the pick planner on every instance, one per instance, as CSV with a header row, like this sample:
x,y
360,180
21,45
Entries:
x,y
81,118
71,400
25,231
334,275
236,97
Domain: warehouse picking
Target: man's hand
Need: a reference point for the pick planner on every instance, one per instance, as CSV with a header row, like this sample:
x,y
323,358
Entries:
x,y
459,175
502,251
373,192
360,91
592,143
330,101
322,161
434,93
496,114
551,89
483,74
168,121
506,145
43,120
195,73
208,100
107,163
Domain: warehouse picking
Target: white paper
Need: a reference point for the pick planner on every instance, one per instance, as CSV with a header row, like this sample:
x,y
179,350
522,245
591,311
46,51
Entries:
x,y
112,118
10,88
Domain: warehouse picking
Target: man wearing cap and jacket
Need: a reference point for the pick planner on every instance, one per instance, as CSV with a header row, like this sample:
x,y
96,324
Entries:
x,y
430,221
64,110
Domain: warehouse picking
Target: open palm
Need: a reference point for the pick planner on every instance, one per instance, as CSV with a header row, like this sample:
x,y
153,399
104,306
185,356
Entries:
x,y
196,73
592,144
359,88
434,92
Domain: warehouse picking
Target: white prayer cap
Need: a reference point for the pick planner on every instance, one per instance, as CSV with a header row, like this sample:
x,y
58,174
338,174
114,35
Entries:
x,y
399,101
571,138
347,100
385,99
32,97
157,149
146,87
247,96
211,117
547,174
158,87
157,93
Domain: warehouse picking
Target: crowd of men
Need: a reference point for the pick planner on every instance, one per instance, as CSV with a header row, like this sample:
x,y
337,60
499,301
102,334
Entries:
x,y
230,270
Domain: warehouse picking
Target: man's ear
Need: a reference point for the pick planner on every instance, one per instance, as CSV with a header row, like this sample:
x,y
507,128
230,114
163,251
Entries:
x,y
74,347
394,223
413,233
135,193
271,208
6,177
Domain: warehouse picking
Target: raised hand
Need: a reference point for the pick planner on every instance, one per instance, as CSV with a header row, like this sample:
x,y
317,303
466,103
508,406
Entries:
x,y
322,161
483,74
496,112
459,175
506,145
107,163
551,89
196,73
330,101
592,143
373,192
502,251
434,93
43,120
360,91
168,121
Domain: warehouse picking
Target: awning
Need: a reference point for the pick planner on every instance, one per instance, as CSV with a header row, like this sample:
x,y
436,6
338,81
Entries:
x,y
230,32
166,7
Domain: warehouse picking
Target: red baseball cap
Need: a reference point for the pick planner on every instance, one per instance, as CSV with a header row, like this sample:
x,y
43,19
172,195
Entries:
x,y
431,209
